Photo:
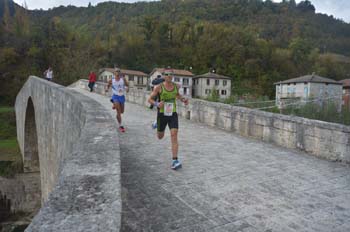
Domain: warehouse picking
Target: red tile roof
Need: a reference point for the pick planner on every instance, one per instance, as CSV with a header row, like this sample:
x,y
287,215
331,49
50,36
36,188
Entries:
x,y
125,71
346,83
177,72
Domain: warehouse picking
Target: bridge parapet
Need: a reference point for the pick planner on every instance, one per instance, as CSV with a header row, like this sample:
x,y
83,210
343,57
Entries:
x,y
322,139
77,154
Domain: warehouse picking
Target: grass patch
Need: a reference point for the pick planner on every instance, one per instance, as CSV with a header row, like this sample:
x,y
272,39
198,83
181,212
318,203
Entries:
x,y
10,155
9,150
6,109
8,144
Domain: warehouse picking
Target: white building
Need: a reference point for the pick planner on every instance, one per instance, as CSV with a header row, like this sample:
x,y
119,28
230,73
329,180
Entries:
x,y
136,79
181,77
203,85
307,88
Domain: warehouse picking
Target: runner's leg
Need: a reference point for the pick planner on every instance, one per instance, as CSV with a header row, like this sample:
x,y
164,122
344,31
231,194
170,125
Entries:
x,y
174,142
117,107
122,108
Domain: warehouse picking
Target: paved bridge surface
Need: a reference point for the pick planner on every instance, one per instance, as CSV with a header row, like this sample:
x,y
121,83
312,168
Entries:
x,y
227,183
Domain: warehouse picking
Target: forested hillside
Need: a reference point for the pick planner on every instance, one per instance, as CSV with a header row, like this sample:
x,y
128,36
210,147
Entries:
x,y
255,42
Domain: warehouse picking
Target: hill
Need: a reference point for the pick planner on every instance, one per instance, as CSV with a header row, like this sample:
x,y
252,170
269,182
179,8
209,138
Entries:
x,y
255,42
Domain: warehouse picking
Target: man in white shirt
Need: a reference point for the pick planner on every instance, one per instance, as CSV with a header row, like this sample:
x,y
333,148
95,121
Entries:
x,y
48,74
119,85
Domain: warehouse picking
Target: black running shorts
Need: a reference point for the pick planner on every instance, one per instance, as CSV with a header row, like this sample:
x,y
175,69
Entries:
x,y
163,121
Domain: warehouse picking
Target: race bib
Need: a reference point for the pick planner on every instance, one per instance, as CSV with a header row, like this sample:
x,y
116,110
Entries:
x,y
168,109
120,92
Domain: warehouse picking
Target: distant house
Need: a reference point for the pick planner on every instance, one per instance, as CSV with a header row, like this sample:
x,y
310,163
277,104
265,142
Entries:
x,y
136,79
306,88
181,77
204,84
346,92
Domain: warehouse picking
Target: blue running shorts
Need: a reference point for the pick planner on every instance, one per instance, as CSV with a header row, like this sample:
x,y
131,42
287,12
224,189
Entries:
x,y
118,99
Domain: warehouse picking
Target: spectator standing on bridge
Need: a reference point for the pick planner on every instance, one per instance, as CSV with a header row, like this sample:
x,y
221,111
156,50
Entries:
x,y
48,74
119,87
92,80
168,92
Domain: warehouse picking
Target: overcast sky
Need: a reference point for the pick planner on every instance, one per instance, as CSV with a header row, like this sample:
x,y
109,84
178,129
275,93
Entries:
x,y
337,8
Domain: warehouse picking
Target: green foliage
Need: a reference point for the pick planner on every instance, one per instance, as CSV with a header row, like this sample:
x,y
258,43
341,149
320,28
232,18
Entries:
x,y
10,168
214,95
328,112
7,123
8,56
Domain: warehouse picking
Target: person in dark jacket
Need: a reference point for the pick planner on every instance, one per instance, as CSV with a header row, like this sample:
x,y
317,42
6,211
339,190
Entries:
x,y
158,80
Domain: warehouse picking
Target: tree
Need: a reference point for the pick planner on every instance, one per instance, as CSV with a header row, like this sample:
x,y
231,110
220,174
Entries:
x,y
149,25
300,50
306,6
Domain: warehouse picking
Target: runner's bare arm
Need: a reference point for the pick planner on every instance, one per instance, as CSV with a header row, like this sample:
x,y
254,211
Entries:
x,y
125,81
126,84
181,98
108,85
154,93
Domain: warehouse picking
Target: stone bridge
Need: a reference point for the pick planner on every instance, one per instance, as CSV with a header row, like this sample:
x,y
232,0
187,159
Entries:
x,y
243,170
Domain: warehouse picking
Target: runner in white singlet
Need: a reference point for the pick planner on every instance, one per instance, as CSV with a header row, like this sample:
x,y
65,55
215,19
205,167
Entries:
x,y
119,86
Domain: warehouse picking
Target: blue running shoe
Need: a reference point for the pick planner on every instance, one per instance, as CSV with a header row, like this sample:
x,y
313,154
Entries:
x,y
175,165
154,125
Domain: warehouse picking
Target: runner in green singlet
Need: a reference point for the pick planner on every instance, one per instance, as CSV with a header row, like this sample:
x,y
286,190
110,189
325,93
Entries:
x,y
168,92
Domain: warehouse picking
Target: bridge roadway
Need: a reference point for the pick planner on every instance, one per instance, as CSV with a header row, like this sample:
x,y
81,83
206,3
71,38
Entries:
x,y
227,183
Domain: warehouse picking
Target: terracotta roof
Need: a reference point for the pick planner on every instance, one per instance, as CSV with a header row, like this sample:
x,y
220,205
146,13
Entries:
x,y
125,71
309,78
346,83
212,76
177,72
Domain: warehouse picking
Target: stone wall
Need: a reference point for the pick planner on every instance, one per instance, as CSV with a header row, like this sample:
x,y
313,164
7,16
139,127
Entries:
x,y
325,140
77,154
322,139
22,192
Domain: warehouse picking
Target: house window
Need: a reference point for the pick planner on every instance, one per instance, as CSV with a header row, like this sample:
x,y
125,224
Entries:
x,y
217,92
216,82
185,81
223,92
131,78
185,91
207,91
208,81
139,80
176,79
224,83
